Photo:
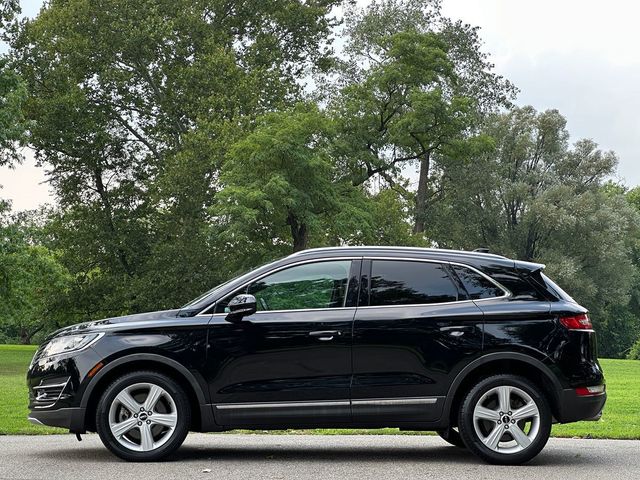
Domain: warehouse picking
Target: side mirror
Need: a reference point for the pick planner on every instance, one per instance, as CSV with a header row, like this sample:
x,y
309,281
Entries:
x,y
241,306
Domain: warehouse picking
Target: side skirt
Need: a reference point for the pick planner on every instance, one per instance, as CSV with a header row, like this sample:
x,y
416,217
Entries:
x,y
406,412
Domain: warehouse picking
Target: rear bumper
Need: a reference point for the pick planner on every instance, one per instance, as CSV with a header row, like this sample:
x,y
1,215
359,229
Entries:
x,y
71,419
573,407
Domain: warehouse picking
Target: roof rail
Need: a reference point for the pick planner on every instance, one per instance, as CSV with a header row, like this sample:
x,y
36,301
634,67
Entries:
x,y
474,253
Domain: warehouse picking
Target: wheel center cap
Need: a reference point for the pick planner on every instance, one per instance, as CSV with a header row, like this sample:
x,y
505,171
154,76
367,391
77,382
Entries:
x,y
505,419
143,416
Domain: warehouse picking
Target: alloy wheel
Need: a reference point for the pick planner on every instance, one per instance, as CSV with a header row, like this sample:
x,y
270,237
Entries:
x,y
506,419
143,417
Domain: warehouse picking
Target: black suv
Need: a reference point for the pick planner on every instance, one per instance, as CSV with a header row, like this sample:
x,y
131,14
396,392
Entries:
x,y
486,351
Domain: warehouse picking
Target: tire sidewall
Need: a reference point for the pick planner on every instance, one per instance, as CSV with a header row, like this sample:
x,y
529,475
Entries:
x,y
182,407
470,437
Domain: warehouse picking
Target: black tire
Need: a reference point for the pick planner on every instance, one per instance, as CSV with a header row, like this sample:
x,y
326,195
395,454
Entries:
x,y
175,438
473,441
452,437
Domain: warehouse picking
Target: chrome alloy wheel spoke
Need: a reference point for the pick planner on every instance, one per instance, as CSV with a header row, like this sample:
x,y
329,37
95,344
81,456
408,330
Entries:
x,y
165,419
519,436
146,438
529,410
125,398
123,427
486,413
155,392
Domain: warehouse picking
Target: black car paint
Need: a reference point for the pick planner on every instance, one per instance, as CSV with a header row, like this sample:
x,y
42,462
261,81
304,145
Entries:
x,y
408,352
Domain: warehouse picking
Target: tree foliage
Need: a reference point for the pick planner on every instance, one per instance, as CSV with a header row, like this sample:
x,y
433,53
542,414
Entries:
x,y
133,106
535,197
31,280
189,140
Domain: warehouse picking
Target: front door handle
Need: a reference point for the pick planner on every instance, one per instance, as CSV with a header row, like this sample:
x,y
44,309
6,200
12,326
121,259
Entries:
x,y
457,327
457,330
325,335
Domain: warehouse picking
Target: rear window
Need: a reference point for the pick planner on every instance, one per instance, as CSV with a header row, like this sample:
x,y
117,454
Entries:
x,y
555,289
410,283
477,286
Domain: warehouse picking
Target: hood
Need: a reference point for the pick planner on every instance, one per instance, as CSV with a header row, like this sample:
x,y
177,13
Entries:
x,y
113,322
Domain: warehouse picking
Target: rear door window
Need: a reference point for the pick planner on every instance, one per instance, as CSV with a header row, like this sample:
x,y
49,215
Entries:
x,y
396,282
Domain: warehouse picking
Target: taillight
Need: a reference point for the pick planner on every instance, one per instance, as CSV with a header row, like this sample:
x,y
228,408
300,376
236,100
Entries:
x,y
590,391
576,322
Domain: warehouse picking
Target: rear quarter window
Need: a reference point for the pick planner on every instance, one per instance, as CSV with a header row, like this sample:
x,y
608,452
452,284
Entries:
x,y
477,285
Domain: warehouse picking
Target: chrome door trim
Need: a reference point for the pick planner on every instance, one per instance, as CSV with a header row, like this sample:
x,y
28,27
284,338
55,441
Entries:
x,y
396,401
322,403
330,403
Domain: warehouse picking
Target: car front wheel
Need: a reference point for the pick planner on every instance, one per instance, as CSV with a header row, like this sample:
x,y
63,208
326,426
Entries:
x,y
505,419
143,416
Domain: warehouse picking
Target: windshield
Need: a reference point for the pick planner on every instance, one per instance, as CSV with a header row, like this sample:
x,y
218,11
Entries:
x,y
197,300
200,298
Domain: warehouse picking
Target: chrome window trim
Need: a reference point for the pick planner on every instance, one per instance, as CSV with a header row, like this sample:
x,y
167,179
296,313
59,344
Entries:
x,y
333,309
507,293
282,267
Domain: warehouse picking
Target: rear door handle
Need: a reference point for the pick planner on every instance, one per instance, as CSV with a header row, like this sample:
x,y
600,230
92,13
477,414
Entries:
x,y
325,335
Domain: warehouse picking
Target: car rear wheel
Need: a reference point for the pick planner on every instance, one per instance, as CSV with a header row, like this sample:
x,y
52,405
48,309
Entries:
x,y
143,416
505,419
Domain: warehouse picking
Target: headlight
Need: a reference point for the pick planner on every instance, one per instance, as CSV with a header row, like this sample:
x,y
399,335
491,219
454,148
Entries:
x,y
69,343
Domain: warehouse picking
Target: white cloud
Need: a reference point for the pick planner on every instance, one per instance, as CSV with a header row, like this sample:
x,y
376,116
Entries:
x,y
24,185
578,56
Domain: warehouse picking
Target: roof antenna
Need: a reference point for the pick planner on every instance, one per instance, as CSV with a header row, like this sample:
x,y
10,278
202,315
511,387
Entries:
x,y
482,250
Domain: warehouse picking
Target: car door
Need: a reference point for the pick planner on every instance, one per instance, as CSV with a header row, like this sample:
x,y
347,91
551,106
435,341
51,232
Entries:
x,y
290,362
414,330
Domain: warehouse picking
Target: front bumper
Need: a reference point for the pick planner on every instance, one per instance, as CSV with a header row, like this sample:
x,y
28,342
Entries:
x,y
71,419
55,388
573,407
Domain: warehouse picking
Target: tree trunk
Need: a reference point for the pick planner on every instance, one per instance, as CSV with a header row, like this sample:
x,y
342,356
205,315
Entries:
x,y
108,213
421,196
299,233
25,337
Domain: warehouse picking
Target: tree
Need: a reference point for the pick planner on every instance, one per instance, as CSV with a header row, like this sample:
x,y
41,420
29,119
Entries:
x,y
280,180
32,278
12,95
537,198
414,85
132,106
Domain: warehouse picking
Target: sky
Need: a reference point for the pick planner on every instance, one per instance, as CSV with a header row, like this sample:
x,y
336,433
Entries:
x,y
578,56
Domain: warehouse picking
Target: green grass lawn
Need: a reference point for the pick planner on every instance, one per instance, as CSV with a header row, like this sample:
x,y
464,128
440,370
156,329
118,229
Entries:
x,y
621,417
14,361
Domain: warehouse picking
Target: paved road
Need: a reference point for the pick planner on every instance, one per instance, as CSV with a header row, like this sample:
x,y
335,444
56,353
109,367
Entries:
x,y
249,457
